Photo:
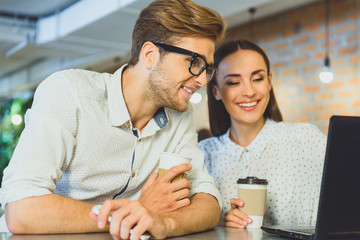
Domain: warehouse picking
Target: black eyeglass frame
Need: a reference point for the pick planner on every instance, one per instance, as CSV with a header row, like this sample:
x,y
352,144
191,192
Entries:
x,y
194,55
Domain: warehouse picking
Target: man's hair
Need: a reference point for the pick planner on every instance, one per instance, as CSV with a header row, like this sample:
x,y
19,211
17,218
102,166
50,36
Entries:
x,y
219,118
166,21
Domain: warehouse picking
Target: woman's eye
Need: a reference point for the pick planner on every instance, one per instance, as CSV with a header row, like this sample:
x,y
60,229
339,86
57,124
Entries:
x,y
258,79
232,83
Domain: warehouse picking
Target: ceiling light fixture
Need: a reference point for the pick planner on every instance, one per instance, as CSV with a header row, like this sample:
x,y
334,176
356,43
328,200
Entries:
x,y
252,12
326,75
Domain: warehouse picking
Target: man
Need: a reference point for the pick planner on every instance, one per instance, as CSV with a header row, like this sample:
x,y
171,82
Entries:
x,y
90,137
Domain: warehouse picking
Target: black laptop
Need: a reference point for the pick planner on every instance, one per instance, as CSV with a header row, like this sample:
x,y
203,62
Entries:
x,y
339,203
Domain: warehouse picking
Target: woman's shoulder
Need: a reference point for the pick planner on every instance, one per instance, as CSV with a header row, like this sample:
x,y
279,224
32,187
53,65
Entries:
x,y
213,143
294,126
296,130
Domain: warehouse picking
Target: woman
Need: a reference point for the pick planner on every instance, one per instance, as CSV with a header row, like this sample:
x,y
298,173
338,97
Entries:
x,y
250,139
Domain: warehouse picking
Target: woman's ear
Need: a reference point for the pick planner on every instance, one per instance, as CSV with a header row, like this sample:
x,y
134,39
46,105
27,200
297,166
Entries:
x,y
216,92
148,55
270,80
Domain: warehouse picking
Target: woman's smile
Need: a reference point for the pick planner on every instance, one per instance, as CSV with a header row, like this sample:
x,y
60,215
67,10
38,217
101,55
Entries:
x,y
249,105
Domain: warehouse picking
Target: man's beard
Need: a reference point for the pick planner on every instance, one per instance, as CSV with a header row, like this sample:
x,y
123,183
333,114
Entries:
x,y
160,91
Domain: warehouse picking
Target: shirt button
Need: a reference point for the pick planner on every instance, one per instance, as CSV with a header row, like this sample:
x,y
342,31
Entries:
x,y
246,150
128,124
133,174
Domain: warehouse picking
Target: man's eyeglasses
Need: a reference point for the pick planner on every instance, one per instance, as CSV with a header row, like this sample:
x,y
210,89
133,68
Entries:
x,y
197,64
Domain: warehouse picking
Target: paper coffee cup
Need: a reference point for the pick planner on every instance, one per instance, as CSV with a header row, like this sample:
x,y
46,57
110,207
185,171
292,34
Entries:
x,y
253,192
168,160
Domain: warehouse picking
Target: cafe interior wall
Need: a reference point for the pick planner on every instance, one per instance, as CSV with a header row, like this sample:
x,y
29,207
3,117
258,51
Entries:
x,y
295,42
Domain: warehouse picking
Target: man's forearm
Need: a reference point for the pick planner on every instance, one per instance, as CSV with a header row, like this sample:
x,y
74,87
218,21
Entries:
x,y
203,213
49,214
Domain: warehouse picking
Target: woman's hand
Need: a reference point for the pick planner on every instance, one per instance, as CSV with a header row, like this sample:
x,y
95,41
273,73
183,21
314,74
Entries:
x,y
236,218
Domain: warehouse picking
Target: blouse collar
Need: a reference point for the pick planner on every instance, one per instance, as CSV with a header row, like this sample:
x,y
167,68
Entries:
x,y
258,145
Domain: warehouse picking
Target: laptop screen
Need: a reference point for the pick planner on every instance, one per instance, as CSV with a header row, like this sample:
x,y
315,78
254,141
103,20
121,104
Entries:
x,y
339,208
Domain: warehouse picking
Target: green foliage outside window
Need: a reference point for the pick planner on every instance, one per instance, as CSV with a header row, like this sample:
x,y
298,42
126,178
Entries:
x,y
12,112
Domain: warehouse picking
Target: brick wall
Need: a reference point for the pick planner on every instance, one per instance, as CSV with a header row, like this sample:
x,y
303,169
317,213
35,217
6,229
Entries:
x,y
295,42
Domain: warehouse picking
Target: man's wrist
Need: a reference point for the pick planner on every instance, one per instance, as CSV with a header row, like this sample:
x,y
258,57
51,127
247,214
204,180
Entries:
x,y
170,225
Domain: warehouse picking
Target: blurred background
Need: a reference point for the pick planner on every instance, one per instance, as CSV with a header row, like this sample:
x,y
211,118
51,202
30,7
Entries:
x,y
301,37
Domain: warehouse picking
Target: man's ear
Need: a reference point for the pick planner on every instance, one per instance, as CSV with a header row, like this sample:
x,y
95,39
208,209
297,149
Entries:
x,y
149,54
216,92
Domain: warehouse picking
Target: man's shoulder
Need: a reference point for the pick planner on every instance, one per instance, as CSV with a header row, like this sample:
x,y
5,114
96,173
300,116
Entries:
x,y
83,77
77,81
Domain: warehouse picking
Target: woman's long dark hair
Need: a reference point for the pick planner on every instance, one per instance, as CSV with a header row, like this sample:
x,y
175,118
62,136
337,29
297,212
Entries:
x,y
218,116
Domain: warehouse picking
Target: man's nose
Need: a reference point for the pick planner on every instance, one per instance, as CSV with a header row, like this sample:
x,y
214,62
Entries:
x,y
201,79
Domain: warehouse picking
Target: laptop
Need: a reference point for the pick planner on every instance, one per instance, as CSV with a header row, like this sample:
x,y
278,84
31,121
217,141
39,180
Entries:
x,y
339,202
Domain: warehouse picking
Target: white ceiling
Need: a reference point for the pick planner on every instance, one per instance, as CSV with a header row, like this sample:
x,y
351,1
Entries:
x,y
58,34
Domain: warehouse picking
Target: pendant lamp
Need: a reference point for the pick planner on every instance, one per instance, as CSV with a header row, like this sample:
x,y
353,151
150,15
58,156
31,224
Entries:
x,y
326,74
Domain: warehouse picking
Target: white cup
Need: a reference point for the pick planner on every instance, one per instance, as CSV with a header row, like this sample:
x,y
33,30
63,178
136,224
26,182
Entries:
x,y
168,160
253,192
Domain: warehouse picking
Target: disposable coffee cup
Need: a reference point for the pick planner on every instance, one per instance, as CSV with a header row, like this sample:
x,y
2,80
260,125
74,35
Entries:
x,y
168,160
252,191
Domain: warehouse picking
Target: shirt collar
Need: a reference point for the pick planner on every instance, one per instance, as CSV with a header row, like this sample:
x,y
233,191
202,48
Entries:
x,y
158,122
258,145
118,113
161,118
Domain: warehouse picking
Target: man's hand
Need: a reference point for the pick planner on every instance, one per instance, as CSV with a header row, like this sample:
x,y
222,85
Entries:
x,y
130,215
236,218
160,195
127,215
